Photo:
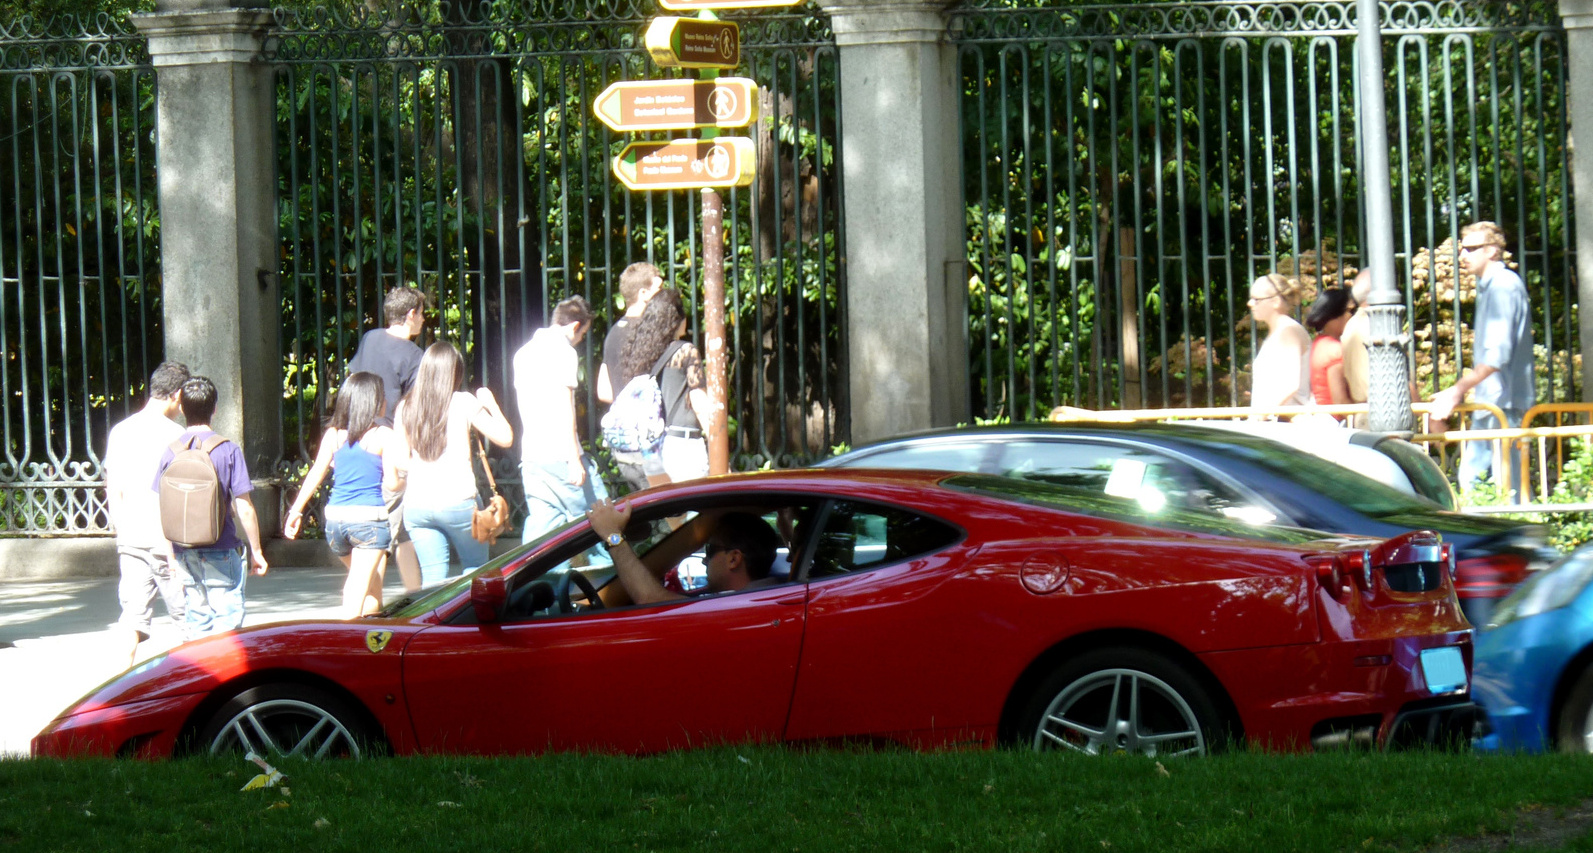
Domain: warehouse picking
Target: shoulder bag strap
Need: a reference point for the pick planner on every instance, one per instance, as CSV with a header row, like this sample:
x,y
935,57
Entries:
x,y
486,466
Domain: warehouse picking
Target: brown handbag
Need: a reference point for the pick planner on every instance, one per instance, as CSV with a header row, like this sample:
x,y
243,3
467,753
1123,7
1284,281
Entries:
x,y
489,522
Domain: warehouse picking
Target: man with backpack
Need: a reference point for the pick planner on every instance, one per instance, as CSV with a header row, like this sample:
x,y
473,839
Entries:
x,y
202,481
560,480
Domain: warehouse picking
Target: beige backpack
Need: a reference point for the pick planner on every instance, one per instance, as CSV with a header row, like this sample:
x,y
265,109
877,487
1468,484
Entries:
x,y
193,503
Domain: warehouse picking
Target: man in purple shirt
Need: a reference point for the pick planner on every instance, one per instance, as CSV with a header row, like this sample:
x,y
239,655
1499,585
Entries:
x,y
213,576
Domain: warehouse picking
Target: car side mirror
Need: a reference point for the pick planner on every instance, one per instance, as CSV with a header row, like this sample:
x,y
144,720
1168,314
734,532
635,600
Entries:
x,y
488,596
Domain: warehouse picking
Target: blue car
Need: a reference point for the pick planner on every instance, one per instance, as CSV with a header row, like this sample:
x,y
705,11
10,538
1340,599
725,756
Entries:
x,y
1533,669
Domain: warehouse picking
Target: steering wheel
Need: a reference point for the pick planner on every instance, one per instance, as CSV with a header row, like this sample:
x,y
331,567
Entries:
x,y
579,579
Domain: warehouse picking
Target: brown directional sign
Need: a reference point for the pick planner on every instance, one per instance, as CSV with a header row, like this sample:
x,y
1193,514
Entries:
x,y
695,5
678,104
679,164
690,43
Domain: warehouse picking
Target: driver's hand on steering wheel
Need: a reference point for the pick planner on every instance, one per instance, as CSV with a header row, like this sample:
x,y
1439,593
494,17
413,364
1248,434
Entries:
x,y
608,517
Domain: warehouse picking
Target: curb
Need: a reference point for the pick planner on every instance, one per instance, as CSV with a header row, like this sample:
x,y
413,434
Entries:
x,y
95,557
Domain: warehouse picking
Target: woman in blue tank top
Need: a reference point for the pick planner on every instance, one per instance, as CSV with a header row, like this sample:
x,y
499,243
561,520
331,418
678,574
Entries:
x,y
355,448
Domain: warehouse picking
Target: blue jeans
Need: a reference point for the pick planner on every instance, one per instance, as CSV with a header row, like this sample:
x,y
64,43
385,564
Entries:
x,y
1477,457
434,530
213,581
550,500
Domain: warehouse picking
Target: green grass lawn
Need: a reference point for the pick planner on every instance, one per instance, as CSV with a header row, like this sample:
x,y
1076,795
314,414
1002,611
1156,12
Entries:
x,y
765,799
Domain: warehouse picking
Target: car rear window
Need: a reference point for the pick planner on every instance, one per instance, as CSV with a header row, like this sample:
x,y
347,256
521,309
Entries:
x,y
1336,483
1425,477
1099,505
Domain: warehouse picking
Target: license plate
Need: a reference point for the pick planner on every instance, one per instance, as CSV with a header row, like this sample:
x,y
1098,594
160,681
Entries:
x,y
1444,669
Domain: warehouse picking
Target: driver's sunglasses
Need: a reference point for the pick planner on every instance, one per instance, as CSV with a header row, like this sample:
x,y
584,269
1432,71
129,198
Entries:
x,y
713,548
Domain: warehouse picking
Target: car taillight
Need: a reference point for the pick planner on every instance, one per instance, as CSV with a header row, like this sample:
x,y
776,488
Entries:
x,y
1491,575
1358,566
1329,572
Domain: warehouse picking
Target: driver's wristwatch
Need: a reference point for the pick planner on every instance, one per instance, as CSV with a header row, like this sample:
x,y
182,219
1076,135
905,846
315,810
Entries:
x,y
613,540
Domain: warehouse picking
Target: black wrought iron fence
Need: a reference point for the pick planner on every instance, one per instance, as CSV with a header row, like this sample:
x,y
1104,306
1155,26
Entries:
x,y
1129,170
79,266
454,147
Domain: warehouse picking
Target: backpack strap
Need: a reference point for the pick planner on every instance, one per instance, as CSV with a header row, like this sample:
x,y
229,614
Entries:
x,y
186,442
669,410
663,360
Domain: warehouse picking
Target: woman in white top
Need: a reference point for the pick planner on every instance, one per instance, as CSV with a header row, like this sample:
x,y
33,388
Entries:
x,y
434,424
1281,375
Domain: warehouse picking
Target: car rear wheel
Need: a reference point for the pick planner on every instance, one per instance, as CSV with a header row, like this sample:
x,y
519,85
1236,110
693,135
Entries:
x,y
1573,732
287,720
1122,700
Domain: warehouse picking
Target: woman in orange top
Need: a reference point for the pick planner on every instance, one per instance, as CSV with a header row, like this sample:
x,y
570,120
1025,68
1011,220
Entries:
x,y
1327,318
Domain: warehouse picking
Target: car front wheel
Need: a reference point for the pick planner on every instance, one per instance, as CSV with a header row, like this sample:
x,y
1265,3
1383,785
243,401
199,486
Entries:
x,y
1122,700
291,720
1573,731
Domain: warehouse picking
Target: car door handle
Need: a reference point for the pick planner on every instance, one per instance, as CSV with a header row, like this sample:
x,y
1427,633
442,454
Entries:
x,y
793,600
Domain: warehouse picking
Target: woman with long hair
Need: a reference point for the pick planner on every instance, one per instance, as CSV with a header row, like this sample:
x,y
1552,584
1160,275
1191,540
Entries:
x,y
360,454
658,338
435,421
1327,317
1281,375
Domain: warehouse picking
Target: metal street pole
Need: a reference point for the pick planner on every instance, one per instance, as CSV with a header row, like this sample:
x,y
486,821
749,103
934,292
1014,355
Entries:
x,y
1389,386
713,296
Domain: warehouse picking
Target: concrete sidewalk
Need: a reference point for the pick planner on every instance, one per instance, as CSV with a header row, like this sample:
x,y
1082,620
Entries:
x,y
56,644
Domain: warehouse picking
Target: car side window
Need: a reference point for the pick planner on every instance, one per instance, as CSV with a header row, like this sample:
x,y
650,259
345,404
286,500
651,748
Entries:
x,y
1154,480
857,537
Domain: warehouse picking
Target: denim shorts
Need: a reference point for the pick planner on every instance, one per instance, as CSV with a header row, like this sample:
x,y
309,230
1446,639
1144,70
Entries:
x,y
344,536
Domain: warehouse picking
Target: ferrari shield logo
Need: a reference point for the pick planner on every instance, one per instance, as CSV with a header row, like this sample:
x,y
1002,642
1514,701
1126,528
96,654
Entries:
x,y
377,640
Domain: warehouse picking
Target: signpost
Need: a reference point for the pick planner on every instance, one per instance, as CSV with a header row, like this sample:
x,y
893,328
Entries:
x,y
681,164
706,164
693,43
678,104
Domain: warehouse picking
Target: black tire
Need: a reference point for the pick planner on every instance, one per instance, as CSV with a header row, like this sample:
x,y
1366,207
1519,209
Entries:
x,y
1073,708
288,720
1573,726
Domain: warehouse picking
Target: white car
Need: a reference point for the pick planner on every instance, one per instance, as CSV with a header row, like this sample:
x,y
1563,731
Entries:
x,y
1386,459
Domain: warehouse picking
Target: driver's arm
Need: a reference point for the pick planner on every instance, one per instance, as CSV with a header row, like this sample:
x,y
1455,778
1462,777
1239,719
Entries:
x,y
607,519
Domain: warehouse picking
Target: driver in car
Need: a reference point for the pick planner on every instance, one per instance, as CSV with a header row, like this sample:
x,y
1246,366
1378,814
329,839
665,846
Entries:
x,y
739,551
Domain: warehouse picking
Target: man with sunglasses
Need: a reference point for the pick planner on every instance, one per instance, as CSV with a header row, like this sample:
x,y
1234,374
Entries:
x,y
1501,371
739,550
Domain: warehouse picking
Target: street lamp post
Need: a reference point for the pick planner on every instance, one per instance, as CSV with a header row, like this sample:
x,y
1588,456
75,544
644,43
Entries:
x,y
1389,387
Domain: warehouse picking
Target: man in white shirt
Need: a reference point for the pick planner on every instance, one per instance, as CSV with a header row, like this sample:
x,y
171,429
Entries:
x,y
132,453
560,481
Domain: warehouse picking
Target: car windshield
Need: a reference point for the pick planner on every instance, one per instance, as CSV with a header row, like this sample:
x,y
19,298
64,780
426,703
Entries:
x,y
1096,504
430,599
1334,482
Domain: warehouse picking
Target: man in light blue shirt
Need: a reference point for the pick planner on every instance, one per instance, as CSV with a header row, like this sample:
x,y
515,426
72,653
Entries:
x,y
1501,372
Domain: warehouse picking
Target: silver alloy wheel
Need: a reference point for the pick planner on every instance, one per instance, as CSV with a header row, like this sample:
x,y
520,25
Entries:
x,y
286,727
1120,710
1587,731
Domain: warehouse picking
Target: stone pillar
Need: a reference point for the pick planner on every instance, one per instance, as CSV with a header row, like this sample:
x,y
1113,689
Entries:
x,y
1578,18
906,270
215,114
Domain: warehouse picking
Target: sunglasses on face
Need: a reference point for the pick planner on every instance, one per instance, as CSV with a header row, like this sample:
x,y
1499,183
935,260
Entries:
x,y
713,548
1476,247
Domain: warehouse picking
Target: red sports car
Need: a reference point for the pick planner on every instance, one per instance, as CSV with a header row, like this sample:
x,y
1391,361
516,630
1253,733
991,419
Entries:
x,y
931,609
